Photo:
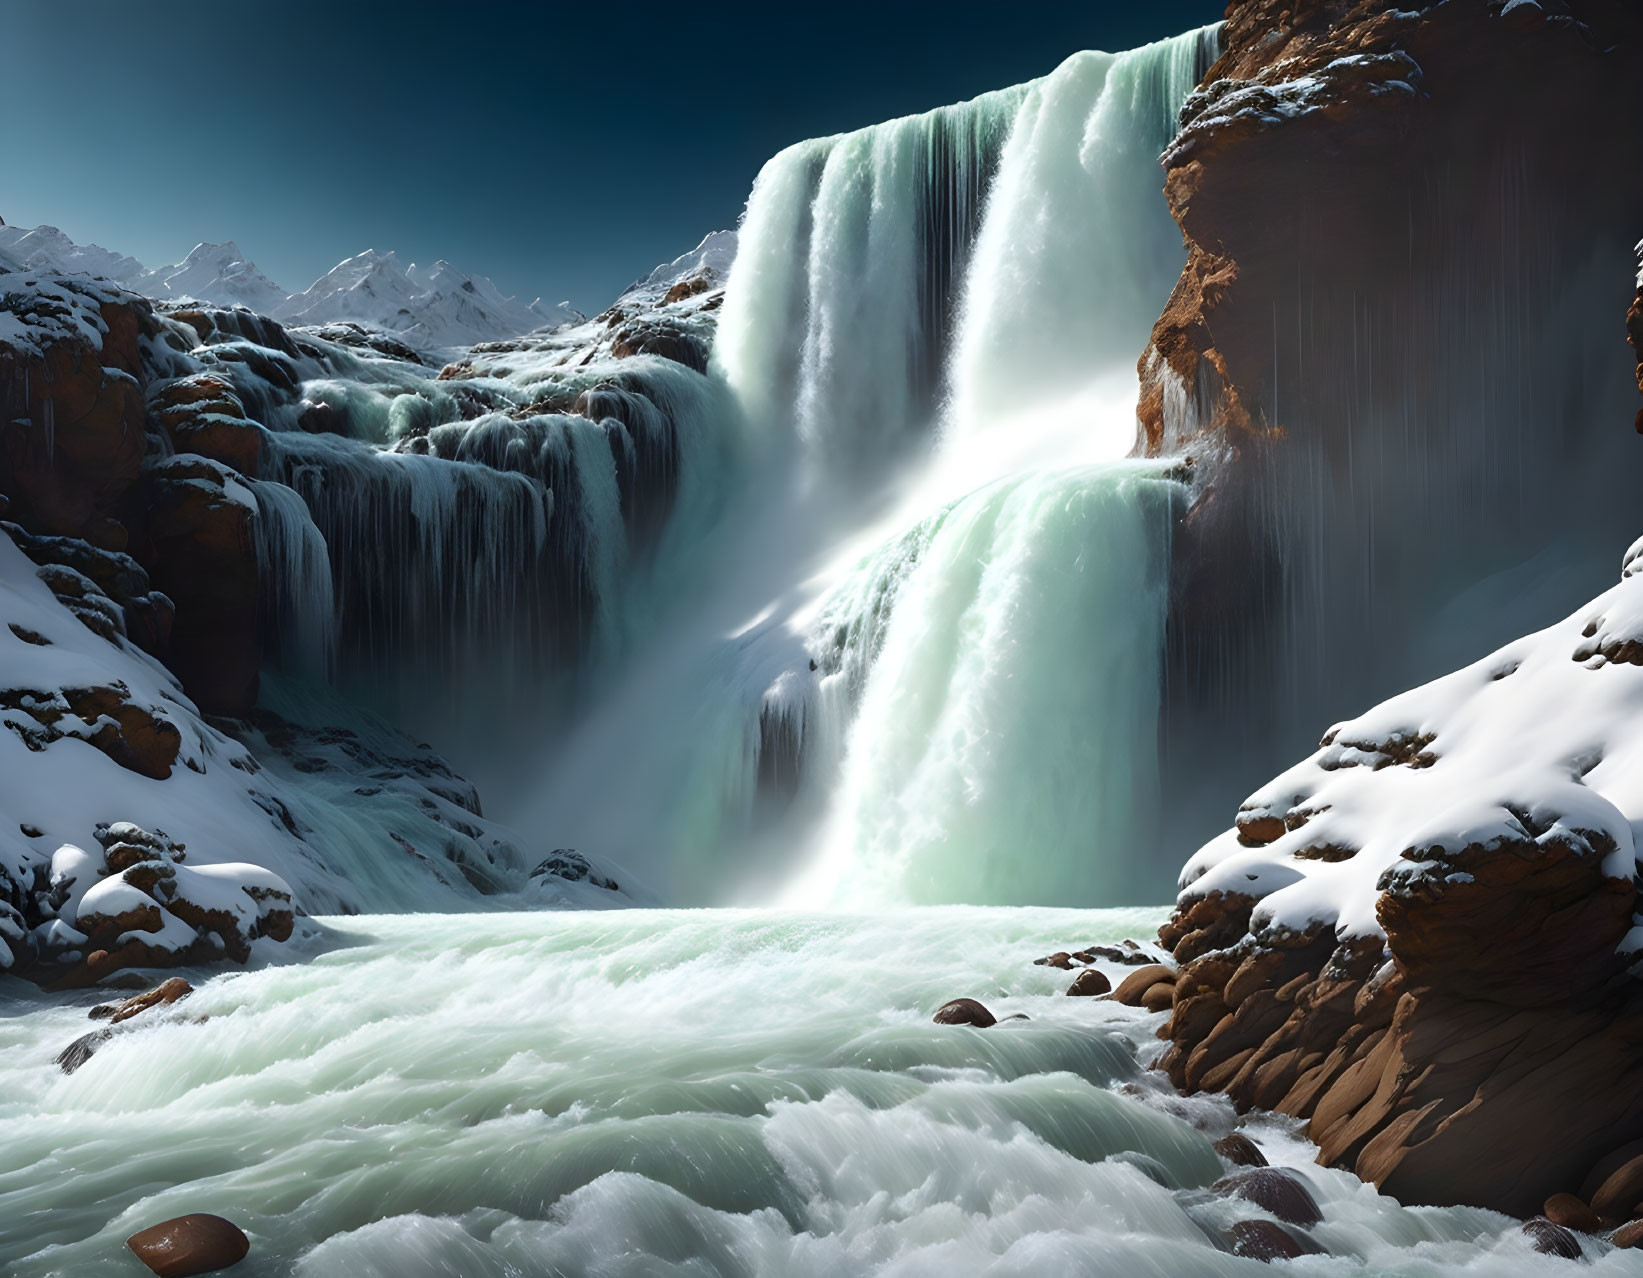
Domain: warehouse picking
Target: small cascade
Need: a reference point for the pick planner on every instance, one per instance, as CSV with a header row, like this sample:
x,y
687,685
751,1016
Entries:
x,y
294,564
476,565
430,560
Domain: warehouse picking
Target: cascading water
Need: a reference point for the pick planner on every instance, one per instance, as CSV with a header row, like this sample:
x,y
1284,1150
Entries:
x,y
852,249
913,632
1002,742
933,373
295,565
481,573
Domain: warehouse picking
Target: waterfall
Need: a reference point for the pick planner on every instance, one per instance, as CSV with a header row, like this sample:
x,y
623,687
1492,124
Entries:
x,y
1003,749
840,300
410,576
483,572
929,667
993,687
294,564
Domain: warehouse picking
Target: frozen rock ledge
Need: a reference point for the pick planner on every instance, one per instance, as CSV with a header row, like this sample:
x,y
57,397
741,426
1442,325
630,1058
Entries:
x,y
1423,939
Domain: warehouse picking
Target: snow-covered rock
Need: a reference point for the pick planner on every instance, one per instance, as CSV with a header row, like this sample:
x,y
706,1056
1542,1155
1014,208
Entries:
x,y
709,261
1427,932
1536,745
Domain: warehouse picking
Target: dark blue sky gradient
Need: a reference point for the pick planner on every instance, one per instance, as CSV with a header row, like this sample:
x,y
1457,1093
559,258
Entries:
x,y
560,149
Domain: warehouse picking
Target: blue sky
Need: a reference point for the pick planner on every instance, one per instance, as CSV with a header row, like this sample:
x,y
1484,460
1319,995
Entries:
x,y
560,149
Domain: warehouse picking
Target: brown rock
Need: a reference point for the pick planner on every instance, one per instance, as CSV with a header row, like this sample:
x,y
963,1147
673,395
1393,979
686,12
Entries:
x,y
1089,982
103,928
1210,922
137,739
1060,959
964,1011
654,337
1195,1017
1571,1213
1606,1166
1160,997
1621,1194
1282,1193
1138,982
168,991
1259,829
1628,1235
197,1244
204,558
1550,1239
1240,1150
687,288
71,415
1268,1240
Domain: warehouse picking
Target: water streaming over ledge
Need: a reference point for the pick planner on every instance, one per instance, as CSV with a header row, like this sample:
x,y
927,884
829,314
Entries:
x,y
632,622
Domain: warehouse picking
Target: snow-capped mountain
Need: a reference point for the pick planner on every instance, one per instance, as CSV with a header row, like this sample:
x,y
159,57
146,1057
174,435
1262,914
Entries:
x,y
217,273
430,307
45,247
553,314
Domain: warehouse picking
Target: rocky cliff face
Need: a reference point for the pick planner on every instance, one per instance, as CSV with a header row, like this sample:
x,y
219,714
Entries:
x,y
1394,352
1424,939
1395,355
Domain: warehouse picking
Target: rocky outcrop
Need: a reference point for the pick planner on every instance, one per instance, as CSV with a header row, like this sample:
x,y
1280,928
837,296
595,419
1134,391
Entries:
x,y
1428,934
202,551
138,905
93,410
1397,331
1406,1071
1310,156
71,431
134,903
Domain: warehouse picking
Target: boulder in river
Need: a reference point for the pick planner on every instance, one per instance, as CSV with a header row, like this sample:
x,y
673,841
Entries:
x,y
964,1011
196,1244
1268,1240
1087,983
1282,1193
1550,1239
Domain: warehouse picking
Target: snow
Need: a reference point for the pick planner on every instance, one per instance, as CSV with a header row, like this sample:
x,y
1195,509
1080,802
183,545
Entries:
x,y
173,935
112,897
711,258
1540,743
47,248
75,870
1269,104
38,311
431,307
434,308
216,273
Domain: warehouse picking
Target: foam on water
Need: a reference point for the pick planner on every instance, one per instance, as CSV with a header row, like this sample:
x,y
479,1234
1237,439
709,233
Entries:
x,y
679,1092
